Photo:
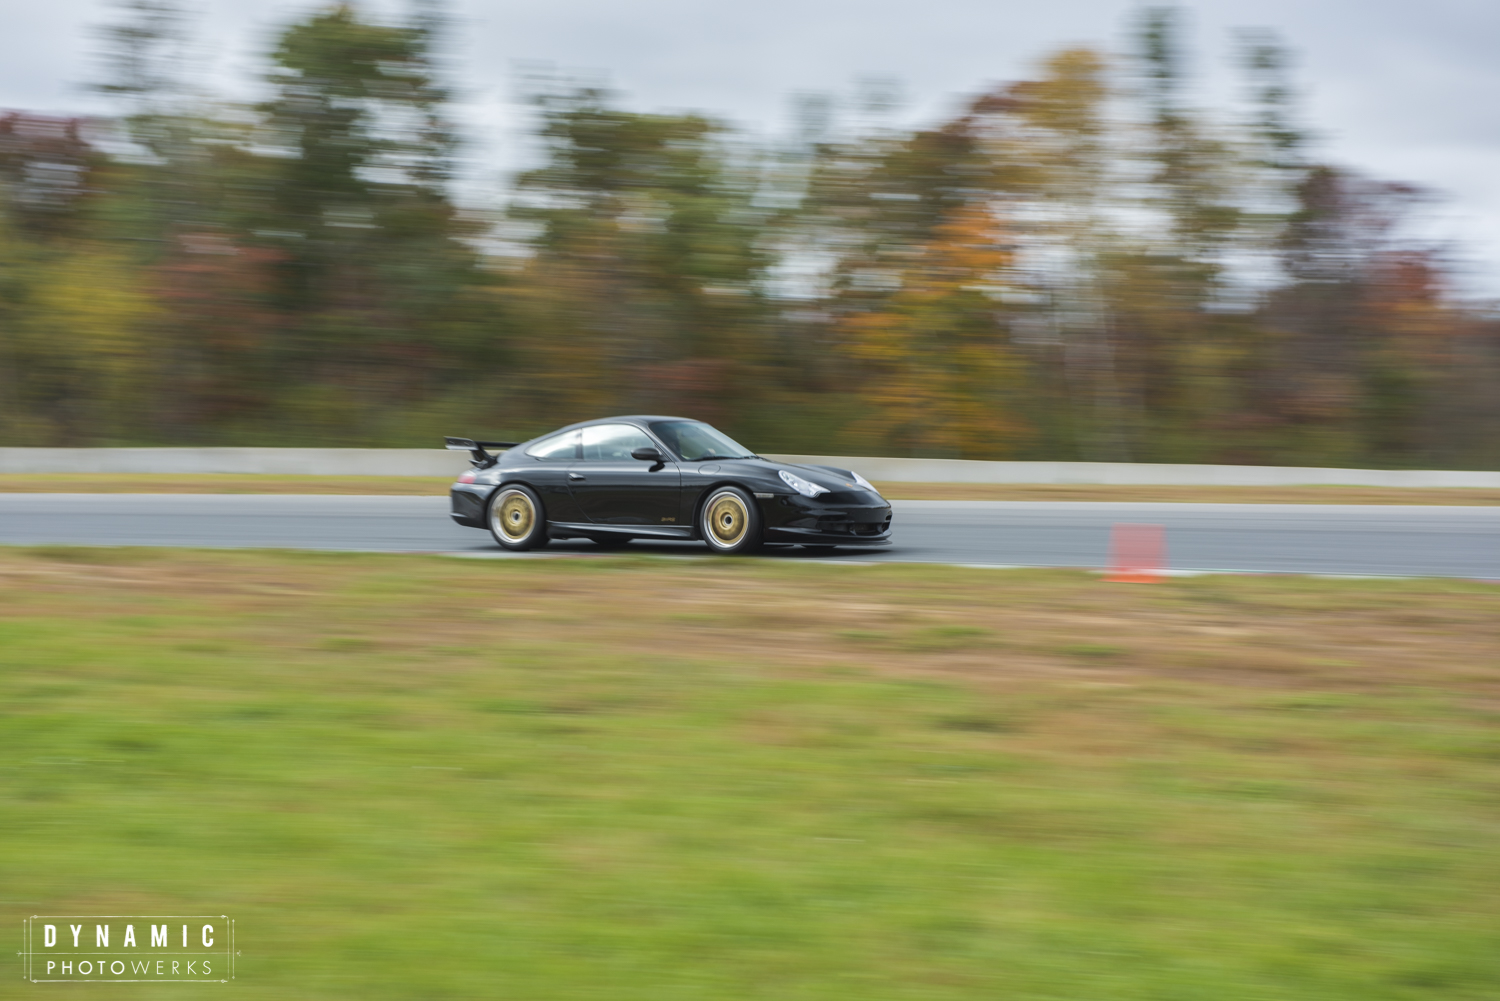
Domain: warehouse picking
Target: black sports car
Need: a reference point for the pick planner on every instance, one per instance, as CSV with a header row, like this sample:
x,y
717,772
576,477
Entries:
x,y
624,478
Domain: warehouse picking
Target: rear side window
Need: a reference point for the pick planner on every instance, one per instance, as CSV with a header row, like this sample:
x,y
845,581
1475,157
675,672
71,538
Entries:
x,y
613,442
559,446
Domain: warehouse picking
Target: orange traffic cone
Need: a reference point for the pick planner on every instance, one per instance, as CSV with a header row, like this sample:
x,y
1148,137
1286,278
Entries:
x,y
1137,554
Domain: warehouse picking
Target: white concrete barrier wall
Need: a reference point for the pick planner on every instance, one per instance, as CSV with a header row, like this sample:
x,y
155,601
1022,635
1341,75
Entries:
x,y
285,461
440,462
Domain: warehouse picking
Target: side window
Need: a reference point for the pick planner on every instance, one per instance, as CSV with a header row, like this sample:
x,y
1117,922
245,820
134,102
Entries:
x,y
613,442
559,446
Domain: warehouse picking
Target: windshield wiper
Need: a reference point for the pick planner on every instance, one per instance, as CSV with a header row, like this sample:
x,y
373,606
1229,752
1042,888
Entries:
x,y
705,458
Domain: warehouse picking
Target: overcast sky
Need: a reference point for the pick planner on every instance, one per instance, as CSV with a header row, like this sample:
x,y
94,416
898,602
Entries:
x,y
1402,90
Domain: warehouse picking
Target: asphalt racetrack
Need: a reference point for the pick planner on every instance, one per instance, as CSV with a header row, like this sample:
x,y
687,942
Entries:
x,y
1276,538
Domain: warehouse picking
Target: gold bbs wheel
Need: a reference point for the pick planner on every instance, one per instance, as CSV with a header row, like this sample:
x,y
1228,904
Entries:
x,y
730,522
515,515
516,520
727,519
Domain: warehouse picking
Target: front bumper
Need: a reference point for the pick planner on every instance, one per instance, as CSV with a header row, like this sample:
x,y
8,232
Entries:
x,y
810,522
812,537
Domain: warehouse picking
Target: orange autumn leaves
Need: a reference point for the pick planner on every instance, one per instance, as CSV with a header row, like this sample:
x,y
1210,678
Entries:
x,y
934,352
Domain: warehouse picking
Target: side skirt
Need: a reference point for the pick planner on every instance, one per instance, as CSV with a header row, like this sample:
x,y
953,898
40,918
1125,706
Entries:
x,y
573,529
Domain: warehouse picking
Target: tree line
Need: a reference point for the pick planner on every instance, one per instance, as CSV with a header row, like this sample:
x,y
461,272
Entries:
x,y
1082,265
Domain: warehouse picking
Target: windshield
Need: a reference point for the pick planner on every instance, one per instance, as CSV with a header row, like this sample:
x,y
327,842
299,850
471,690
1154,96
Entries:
x,y
695,442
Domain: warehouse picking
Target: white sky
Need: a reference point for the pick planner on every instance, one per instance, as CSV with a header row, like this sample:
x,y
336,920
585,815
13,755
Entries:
x,y
1405,91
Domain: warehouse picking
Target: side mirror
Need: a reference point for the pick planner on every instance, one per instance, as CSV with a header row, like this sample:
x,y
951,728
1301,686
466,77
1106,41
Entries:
x,y
651,454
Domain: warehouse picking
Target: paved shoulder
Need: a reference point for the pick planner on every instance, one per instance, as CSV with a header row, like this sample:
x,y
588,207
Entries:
x,y
1278,538
283,521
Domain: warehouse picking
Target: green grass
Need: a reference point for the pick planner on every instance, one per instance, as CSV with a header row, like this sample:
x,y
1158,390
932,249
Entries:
x,y
408,777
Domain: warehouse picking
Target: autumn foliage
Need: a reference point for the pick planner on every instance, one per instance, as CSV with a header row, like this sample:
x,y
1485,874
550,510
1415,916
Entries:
x,y
1079,265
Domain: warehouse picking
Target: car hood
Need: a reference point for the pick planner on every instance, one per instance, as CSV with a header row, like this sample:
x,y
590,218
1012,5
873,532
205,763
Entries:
x,y
824,476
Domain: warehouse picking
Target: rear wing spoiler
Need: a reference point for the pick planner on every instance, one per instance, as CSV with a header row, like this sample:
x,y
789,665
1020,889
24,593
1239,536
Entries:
x,y
480,458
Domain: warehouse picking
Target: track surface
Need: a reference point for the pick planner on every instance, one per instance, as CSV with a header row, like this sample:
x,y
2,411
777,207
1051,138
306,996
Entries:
x,y
1429,541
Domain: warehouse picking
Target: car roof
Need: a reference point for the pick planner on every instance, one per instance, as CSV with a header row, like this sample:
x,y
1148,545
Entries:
x,y
627,419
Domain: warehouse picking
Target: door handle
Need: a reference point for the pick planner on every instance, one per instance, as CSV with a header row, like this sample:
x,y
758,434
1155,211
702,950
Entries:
x,y
576,476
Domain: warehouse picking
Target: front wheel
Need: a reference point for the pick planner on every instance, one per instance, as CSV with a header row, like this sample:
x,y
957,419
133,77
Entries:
x,y
729,522
517,520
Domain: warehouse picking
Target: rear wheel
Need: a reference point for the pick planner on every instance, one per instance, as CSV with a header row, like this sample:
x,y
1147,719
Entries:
x,y
730,522
517,519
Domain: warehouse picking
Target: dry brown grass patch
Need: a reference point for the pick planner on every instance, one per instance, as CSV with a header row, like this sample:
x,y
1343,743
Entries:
x,y
982,626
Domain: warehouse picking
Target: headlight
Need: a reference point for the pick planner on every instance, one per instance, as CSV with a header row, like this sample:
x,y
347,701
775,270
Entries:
x,y
864,483
806,488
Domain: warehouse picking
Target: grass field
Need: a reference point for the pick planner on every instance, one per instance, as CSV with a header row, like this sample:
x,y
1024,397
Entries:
x,y
231,483
626,778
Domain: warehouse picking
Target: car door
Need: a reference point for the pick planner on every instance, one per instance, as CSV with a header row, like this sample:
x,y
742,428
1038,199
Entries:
x,y
611,488
547,472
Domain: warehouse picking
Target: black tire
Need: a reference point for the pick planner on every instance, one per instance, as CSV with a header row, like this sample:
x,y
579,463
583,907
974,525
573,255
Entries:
x,y
729,522
611,541
517,519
